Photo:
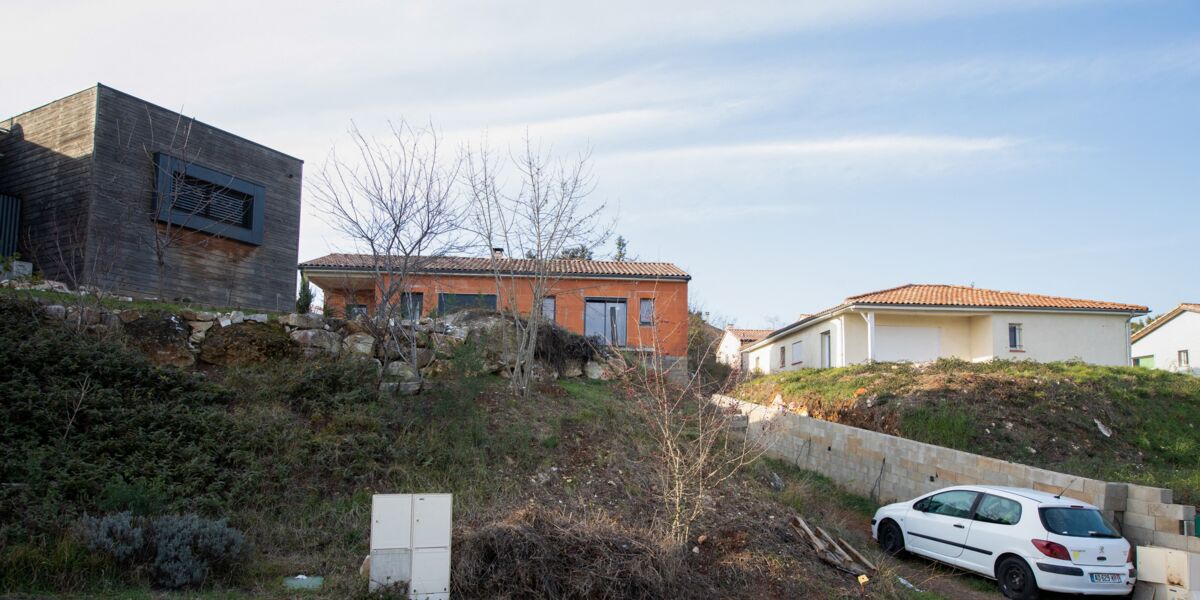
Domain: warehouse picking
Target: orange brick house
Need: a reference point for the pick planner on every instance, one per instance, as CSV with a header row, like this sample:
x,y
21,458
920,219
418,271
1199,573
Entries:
x,y
636,305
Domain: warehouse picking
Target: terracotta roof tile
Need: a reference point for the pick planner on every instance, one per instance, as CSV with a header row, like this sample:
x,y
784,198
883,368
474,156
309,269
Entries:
x,y
1175,312
746,336
467,264
958,295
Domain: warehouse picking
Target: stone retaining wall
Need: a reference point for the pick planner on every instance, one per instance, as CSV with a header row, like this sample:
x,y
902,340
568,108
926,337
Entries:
x,y
889,468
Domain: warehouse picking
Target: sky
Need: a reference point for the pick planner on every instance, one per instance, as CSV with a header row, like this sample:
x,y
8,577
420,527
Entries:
x,y
786,154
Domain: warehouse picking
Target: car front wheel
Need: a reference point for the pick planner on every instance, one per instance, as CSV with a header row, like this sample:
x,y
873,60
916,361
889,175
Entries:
x,y
1016,579
891,539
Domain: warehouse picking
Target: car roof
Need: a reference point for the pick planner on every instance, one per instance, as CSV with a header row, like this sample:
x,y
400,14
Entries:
x,y
1038,496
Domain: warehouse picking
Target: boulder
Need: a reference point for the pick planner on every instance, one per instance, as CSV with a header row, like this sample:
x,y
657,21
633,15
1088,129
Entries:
x,y
595,370
110,320
189,314
83,315
359,344
236,317
130,315
320,340
303,321
353,326
262,318
541,372
200,326
403,388
244,343
164,339
423,357
400,371
55,311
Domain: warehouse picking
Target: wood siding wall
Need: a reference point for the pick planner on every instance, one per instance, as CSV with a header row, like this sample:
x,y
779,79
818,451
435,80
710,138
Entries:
x,y
84,167
201,267
47,163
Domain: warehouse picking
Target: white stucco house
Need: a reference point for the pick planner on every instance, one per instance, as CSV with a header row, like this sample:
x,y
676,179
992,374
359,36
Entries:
x,y
923,322
729,350
1170,341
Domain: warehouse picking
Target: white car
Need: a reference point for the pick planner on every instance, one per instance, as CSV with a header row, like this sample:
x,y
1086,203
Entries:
x,y
1025,539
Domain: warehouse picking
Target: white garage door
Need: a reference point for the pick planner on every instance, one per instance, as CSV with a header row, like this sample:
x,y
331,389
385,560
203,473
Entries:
x,y
914,344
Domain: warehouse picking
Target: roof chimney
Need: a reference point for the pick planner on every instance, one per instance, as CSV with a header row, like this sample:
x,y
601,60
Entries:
x,y
497,252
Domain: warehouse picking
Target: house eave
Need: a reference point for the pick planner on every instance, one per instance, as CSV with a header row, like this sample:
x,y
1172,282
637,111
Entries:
x,y
343,271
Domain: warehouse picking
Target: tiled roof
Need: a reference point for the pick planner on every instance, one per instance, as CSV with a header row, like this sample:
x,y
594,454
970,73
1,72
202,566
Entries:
x,y
750,335
518,266
1175,312
958,295
940,295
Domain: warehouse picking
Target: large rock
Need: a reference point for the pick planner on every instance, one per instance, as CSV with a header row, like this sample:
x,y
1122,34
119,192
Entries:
x,y
318,339
83,315
303,321
492,334
595,370
189,314
359,344
400,377
423,357
164,339
244,344
55,311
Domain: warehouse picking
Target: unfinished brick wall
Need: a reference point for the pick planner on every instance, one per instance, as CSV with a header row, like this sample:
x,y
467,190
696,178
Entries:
x,y
888,468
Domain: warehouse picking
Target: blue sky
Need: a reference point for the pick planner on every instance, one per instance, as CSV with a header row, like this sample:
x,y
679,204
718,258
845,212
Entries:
x,y
787,154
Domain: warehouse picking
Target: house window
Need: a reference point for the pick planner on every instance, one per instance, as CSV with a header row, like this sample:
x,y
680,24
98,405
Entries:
x,y
605,318
782,356
798,352
195,197
449,303
412,305
356,310
1015,339
758,363
549,308
1146,362
826,350
1183,359
646,312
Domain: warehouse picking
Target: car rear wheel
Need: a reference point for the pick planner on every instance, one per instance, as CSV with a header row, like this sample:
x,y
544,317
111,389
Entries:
x,y
891,539
1016,579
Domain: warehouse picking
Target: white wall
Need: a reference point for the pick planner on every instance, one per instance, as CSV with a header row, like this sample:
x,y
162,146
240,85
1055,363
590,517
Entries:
x,y
729,350
1165,342
1095,339
810,336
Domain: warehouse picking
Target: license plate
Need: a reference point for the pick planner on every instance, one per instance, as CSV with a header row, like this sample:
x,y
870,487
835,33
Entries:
x,y
1106,578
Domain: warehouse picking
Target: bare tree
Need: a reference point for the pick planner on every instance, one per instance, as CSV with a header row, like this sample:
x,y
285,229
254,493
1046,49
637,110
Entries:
x,y
694,452
396,201
543,216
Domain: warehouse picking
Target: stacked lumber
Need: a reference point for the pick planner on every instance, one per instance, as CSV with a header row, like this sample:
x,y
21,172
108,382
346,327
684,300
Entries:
x,y
835,552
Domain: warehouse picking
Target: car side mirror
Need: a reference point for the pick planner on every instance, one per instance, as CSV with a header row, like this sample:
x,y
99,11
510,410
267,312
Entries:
x,y
922,506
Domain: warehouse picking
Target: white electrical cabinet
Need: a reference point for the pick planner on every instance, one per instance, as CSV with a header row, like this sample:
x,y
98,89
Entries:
x,y
1166,574
410,542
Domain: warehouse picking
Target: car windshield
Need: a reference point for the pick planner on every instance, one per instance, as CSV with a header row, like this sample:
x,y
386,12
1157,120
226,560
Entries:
x,y
1077,522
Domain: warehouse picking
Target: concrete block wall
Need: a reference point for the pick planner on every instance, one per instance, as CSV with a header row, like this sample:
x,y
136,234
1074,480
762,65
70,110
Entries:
x,y
888,468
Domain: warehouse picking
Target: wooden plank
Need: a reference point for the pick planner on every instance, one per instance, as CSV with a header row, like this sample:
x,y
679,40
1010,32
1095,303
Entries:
x,y
836,549
857,555
807,531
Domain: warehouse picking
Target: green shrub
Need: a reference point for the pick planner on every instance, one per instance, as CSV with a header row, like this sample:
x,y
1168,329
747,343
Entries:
x,y
177,551
309,387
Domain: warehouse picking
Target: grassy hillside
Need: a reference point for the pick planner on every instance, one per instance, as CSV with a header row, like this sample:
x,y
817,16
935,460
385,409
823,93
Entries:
x,y
1038,414
555,496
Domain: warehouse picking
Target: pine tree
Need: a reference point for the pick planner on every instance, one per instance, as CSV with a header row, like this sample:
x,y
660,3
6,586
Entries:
x,y
305,299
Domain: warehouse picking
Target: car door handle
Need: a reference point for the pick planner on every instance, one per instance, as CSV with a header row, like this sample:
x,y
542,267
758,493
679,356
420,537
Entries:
x,y
960,526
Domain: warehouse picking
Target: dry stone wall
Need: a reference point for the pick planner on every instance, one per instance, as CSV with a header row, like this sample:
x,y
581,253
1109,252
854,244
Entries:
x,y
889,468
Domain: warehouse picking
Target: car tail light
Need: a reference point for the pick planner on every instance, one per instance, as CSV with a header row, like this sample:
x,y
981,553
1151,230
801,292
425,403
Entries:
x,y
1129,557
1052,549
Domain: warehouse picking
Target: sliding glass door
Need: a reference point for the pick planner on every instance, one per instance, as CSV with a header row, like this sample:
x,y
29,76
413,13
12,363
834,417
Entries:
x,y
606,319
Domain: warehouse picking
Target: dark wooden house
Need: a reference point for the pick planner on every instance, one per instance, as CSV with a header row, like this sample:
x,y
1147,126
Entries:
x,y
138,200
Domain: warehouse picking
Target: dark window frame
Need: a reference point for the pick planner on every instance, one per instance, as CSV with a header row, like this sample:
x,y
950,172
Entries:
x,y
169,170
642,303
1016,336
